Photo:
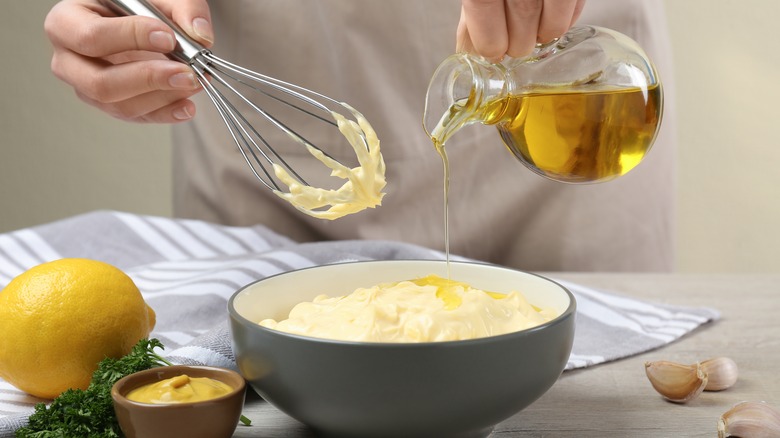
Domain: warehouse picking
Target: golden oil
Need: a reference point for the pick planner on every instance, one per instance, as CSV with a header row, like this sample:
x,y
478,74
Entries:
x,y
581,137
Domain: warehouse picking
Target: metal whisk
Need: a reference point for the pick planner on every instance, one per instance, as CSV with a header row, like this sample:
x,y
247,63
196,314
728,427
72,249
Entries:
x,y
225,83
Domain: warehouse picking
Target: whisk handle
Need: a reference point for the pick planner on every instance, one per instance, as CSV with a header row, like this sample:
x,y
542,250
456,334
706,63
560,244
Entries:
x,y
186,50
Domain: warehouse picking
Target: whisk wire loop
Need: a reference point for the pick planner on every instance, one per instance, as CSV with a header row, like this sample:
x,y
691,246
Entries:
x,y
290,89
238,133
302,94
242,131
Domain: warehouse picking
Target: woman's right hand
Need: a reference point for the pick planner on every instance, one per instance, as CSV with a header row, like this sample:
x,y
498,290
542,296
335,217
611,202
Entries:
x,y
117,64
497,28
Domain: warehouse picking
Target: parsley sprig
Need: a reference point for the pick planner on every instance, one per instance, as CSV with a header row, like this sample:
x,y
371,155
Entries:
x,y
89,413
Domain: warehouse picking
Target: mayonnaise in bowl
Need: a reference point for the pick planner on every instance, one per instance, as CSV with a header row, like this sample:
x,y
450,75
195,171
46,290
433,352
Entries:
x,y
427,309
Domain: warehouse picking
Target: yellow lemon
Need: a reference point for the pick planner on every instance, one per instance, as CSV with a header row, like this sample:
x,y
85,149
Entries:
x,y
58,320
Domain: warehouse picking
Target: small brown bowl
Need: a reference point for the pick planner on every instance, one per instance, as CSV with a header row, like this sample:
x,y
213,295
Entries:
x,y
215,418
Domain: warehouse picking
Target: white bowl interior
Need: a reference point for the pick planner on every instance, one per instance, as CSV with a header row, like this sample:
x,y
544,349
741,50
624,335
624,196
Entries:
x,y
274,297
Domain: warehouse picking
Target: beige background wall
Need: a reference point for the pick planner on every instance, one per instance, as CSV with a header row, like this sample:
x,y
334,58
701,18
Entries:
x,y
59,157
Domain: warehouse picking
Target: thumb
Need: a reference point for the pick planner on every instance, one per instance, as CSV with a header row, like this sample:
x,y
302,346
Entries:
x,y
192,16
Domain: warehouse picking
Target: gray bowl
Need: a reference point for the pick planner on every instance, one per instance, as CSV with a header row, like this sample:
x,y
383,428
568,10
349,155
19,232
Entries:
x,y
367,390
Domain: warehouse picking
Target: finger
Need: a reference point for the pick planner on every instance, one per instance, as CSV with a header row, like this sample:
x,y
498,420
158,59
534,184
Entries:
x,y
91,30
523,25
82,29
461,34
105,82
462,37
577,12
486,24
556,19
193,16
176,112
154,107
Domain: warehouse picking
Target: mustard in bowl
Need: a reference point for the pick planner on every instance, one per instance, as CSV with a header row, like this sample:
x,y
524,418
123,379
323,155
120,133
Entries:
x,y
179,400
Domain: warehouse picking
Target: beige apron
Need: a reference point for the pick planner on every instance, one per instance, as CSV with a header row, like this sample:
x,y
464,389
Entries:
x,y
391,49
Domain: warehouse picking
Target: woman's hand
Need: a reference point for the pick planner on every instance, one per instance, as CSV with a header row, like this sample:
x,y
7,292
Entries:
x,y
117,64
498,28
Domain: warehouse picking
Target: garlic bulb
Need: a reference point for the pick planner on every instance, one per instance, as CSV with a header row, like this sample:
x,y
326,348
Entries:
x,y
676,382
750,420
722,373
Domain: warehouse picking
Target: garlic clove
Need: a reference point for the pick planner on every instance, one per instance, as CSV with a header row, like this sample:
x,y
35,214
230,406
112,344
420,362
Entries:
x,y
722,373
676,382
750,420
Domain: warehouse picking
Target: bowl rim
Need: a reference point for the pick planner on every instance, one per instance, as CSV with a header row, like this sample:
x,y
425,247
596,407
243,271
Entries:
x,y
567,313
212,371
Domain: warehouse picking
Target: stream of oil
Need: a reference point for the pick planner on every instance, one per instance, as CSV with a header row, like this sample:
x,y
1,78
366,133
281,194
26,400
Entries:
x,y
440,149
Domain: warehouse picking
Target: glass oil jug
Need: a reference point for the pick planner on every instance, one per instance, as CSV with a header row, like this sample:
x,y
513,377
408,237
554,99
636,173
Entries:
x,y
584,108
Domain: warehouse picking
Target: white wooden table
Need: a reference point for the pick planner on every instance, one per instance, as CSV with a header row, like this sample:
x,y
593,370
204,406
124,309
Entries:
x,y
616,399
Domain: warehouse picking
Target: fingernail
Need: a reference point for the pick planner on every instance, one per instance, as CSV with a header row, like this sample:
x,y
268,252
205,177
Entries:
x,y
202,28
182,113
183,81
163,41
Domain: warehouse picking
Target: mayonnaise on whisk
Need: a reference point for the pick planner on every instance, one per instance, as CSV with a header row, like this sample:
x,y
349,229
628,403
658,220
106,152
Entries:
x,y
428,309
363,188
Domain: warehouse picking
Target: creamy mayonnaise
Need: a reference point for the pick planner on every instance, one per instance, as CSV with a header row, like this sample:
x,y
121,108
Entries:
x,y
363,188
428,309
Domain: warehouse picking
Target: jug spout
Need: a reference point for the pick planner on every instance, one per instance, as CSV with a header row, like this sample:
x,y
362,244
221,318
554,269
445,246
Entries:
x,y
460,85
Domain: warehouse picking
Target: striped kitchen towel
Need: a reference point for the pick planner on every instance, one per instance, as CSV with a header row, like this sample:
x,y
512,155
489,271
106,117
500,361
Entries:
x,y
188,269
